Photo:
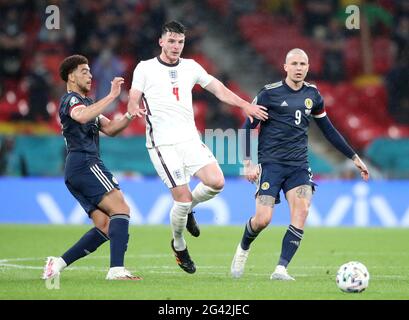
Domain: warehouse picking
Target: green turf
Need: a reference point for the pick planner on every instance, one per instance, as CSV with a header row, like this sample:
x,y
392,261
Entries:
x,y
23,249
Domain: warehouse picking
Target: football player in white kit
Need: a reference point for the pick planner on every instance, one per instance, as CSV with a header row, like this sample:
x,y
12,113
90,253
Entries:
x,y
164,85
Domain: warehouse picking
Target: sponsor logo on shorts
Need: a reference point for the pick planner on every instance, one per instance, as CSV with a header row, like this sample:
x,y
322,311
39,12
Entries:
x,y
265,186
114,180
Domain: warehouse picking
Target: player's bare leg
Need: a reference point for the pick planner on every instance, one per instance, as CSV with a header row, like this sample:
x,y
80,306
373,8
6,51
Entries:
x,y
264,212
211,184
299,200
262,218
100,220
178,219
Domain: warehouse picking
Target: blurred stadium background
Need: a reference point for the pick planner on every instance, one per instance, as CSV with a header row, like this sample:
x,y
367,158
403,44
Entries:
x,y
362,74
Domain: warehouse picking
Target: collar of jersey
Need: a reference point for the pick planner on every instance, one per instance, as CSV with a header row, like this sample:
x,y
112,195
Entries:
x,y
291,89
168,64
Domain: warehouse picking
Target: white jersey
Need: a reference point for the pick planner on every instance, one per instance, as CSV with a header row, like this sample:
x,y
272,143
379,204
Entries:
x,y
167,95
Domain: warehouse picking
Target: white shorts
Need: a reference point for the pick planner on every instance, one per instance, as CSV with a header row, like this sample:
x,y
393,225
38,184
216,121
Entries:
x,y
176,163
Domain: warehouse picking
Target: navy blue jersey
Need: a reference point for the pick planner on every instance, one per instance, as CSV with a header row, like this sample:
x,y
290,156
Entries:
x,y
283,138
78,137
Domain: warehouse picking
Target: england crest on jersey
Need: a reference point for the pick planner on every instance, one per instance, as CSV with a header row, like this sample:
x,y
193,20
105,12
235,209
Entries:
x,y
173,74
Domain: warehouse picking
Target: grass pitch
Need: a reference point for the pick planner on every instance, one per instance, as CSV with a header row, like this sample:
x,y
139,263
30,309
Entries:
x,y
23,249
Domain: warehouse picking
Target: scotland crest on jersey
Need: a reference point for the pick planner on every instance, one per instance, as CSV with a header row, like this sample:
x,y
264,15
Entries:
x,y
308,104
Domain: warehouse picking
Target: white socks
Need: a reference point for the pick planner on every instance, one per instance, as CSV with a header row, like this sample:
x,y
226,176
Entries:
x,y
202,193
180,210
178,219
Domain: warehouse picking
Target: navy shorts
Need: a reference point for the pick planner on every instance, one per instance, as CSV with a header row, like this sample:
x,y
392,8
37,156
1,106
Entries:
x,y
274,177
88,180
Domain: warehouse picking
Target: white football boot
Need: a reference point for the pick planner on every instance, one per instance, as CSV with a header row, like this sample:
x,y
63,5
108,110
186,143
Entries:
x,y
280,273
120,273
53,267
239,262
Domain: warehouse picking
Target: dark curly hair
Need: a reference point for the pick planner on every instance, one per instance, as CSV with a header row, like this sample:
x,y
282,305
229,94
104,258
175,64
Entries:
x,y
70,64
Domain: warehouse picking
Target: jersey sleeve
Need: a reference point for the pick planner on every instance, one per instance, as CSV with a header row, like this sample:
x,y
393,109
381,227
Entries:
x,y
203,78
70,103
318,109
138,78
260,98
333,136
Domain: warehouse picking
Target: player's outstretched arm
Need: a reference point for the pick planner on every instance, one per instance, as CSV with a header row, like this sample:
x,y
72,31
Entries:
x,y
83,114
338,141
251,171
135,97
227,96
113,127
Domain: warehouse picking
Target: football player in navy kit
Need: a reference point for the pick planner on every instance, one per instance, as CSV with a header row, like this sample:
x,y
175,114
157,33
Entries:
x,y
86,176
283,161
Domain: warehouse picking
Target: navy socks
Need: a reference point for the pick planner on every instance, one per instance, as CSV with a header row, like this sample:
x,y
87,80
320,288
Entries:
x,y
89,242
118,234
291,242
248,236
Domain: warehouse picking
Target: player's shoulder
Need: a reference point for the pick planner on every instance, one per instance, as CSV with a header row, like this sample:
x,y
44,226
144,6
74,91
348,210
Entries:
x,y
71,98
73,94
191,66
311,86
147,63
272,86
188,62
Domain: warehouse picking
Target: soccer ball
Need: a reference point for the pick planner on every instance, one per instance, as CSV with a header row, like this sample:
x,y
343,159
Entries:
x,y
352,276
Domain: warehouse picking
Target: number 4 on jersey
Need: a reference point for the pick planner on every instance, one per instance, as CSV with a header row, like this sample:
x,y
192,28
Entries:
x,y
176,92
